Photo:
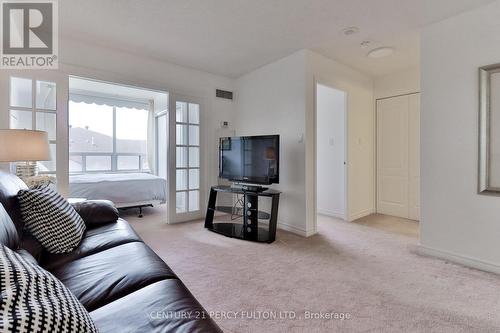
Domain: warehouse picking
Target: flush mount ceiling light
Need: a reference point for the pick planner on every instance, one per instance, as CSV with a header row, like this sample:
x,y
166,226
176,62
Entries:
x,y
350,31
380,52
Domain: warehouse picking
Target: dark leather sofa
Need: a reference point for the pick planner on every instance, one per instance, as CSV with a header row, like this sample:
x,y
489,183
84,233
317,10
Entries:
x,y
124,285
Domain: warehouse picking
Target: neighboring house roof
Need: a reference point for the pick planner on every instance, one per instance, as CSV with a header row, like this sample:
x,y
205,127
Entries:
x,y
86,140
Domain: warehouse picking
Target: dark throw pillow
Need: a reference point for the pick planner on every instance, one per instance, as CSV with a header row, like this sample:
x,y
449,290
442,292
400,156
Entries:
x,y
96,212
33,300
51,219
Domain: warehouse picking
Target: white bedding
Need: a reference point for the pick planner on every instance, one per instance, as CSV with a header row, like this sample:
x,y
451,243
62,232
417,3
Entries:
x,y
124,189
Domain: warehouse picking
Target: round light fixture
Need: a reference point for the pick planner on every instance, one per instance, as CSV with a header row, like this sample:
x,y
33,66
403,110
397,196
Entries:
x,y
380,52
350,31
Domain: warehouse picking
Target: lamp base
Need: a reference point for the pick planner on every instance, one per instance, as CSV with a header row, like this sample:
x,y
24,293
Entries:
x,y
26,169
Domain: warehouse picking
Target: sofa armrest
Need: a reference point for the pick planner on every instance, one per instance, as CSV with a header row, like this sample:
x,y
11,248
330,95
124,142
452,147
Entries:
x,y
96,212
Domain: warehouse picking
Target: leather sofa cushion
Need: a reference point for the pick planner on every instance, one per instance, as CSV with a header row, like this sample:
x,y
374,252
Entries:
x,y
94,240
103,277
97,212
8,232
27,256
9,186
155,308
32,245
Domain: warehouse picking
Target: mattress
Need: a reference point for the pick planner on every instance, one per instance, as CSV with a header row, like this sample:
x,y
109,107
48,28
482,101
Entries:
x,y
124,189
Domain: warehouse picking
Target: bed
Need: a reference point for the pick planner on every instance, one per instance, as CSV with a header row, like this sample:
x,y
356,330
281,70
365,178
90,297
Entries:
x,y
126,190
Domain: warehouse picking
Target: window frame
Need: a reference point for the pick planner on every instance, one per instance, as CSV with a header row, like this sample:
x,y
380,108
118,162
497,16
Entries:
x,y
34,111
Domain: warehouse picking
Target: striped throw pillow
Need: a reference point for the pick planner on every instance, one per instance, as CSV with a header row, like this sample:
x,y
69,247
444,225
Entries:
x,y
51,219
33,300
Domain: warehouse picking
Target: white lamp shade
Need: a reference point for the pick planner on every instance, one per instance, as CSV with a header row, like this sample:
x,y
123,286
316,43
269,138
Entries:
x,y
23,145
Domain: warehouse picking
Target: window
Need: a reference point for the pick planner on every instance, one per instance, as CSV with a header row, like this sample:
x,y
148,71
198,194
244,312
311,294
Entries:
x,y
131,130
32,106
187,141
108,138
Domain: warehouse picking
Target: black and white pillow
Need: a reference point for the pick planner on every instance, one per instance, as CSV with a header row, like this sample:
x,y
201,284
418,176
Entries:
x,y
33,300
51,219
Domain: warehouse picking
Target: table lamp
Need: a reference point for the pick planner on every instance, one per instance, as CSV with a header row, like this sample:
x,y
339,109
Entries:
x,y
26,147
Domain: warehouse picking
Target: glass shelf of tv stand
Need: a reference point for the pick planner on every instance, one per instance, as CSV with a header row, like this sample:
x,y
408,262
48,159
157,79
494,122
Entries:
x,y
230,223
236,230
237,212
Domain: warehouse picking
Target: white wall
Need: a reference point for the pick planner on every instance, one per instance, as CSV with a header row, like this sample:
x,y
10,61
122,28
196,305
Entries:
x,y
271,100
457,223
360,138
107,64
330,151
399,83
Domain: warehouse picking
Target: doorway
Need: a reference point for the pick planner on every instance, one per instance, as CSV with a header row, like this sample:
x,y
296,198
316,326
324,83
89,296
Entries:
x,y
331,151
115,146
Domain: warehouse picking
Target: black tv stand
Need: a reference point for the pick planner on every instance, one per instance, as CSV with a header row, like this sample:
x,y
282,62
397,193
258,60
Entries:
x,y
250,214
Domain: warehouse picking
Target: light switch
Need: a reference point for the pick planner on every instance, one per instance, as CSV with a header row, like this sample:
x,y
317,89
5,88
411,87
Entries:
x,y
331,141
301,138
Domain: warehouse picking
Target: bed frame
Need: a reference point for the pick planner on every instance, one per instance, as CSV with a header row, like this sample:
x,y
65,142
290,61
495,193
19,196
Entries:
x,y
137,206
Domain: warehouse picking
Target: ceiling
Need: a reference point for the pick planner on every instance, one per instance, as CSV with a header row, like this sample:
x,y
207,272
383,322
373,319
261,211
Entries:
x,y
234,37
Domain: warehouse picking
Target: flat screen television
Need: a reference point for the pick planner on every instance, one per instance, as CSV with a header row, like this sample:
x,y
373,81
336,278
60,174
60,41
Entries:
x,y
250,159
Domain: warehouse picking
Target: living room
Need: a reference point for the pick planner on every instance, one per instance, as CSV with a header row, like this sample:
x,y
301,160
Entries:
x,y
154,123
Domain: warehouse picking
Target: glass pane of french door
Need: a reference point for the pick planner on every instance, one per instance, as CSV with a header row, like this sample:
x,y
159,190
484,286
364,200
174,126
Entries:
x,y
187,147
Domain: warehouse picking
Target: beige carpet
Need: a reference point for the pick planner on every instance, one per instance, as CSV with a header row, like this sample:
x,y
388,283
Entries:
x,y
373,275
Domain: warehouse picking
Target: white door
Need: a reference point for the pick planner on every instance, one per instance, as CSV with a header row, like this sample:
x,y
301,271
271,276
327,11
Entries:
x,y
187,166
398,156
392,156
414,156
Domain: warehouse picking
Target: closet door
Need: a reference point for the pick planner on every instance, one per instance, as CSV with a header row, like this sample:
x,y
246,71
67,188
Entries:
x,y
393,156
414,156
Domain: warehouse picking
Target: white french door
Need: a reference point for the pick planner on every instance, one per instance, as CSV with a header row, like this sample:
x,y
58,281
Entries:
x,y
186,186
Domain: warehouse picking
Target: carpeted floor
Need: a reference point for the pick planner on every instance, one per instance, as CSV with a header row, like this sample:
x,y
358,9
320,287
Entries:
x,y
371,275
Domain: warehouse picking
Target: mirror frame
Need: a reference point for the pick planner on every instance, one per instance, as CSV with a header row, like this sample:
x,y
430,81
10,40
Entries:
x,y
485,73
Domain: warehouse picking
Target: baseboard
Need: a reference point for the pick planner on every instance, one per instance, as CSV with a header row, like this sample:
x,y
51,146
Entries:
x,y
295,230
361,214
332,213
459,259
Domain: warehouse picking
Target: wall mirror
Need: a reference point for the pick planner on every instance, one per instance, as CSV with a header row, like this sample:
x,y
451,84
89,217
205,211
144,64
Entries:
x,y
489,129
